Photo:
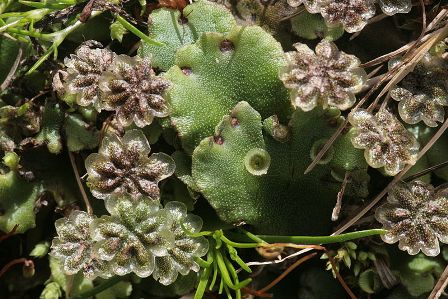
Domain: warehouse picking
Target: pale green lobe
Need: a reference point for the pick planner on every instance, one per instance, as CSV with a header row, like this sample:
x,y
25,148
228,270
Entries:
x,y
347,158
11,160
312,26
166,27
223,70
123,289
9,49
316,148
183,168
283,201
51,125
437,154
349,161
80,135
79,284
117,31
73,245
17,199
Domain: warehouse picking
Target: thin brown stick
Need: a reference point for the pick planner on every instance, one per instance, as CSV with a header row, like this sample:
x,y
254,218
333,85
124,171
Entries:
x,y
408,46
299,11
11,233
14,262
373,20
440,285
80,186
385,102
440,16
104,128
286,272
370,83
388,56
424,25
12,71
339,277
44,92
385,273
255,293
373,73
395,180
321,248
338,205
426,171
86,11
326,147
134,48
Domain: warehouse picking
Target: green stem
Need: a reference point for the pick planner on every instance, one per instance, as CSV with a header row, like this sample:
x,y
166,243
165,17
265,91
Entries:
x,y
234,275
58,37
228,293
195,235
223,270
36,34
233,253
69,29
41,60
4,5
315,240
98,289
55,37
137,32
215,275
202,263
252,236
239,245
225,275
44,5
202,286
11,15
72,2
221,286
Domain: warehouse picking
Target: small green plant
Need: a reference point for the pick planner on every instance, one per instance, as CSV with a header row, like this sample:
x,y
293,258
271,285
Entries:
x,y
415,216
327,78
122,166
385,141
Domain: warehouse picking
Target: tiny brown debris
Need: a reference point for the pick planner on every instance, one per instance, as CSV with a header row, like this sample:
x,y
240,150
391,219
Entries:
x,y
186,70
218,140
226,46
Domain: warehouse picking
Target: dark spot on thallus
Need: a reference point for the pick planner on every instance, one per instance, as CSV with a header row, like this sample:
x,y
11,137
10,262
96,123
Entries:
x,y
333,122
88,268
182,20
234,122
218,140
226,46
187,71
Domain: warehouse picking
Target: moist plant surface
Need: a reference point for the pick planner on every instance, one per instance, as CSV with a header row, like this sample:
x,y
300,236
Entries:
x,y
223,149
